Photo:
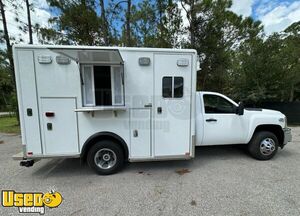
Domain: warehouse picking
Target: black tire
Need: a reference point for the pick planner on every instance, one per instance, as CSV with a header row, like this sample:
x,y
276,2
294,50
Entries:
x,y
106,149
263,150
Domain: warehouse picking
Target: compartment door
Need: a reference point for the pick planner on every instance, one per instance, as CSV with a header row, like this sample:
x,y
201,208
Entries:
x,y
59,123
27,95
140,133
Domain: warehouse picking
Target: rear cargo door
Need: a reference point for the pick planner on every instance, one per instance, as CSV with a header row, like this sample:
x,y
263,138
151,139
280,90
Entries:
x,y
172,107
59,122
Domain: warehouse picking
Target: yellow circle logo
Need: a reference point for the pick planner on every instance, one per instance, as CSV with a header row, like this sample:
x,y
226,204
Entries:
x,y
52,199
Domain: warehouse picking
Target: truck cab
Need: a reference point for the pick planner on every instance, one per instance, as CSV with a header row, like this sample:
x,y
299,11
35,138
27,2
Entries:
x,y
222,121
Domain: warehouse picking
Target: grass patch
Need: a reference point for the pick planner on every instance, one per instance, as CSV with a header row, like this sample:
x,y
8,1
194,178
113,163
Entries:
x,y
9,124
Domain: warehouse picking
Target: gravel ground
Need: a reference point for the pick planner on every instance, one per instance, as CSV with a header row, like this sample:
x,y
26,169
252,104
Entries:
x,y
219,181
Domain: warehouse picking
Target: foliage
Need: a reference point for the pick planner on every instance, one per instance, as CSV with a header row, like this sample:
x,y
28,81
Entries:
x,y
268,70
6,83
218,33
169,24
77,23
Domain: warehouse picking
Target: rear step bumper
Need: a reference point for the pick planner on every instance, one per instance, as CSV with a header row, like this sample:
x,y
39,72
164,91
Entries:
x,y
19,156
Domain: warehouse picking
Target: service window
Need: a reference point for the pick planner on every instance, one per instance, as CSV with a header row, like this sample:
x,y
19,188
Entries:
x,y
102,85
215,104
172,87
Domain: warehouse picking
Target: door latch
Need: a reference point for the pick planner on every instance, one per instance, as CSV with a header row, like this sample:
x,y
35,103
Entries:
x,y
29,112
135,133
159,110
49,126
149,105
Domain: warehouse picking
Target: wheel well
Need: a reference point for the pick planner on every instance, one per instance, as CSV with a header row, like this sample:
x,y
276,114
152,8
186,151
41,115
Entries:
x,y
276,129
104,136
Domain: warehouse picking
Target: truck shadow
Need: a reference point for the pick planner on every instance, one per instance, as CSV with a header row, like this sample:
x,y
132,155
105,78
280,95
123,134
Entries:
x,y
203,155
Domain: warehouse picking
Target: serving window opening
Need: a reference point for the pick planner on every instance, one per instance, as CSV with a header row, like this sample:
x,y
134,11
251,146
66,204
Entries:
x,y
102,85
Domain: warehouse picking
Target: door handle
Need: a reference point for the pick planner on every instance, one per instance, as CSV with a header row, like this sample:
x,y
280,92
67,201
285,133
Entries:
x,y
29,112
211,120
49,126
159,110
135,133
148,105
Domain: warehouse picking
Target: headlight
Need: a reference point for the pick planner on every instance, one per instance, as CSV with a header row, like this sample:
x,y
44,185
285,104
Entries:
x,y
283,120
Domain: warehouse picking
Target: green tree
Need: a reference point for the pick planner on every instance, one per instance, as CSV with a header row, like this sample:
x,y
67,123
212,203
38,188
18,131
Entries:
x,y
260,71
77,23
169,24
291,59
104,23
28,8
145,25
268,69
126,37
6,84
216,33
5,36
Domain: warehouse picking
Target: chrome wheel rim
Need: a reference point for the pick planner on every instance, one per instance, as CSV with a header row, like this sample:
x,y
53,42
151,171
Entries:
x,y
267,146
105,158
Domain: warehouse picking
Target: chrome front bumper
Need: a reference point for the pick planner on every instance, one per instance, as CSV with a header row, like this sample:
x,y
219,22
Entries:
x,y
287,135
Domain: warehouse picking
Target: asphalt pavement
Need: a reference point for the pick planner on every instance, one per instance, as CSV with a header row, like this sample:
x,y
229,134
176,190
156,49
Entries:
x,y
221,180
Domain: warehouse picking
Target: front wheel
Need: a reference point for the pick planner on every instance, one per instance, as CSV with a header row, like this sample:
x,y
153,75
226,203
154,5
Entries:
x,y
263,145
105,157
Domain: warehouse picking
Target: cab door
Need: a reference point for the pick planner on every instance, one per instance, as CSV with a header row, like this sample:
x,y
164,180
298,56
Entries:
x,y
221,125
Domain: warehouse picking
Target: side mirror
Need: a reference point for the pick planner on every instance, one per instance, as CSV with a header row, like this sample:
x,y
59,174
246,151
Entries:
x,y
240,109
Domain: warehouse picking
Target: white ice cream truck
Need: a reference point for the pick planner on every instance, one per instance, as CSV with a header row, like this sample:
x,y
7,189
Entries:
x,y
109,105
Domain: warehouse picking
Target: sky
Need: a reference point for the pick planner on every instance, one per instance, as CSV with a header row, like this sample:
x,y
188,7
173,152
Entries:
x,y
275,15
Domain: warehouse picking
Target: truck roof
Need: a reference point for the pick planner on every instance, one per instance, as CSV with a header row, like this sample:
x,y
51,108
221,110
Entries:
x,y
144,49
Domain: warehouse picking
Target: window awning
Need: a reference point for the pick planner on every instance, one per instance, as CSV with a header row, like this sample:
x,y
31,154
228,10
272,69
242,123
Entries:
x,y
91,56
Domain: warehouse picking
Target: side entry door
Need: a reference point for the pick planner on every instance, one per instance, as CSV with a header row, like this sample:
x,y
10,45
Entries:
x,y
172,105
221,124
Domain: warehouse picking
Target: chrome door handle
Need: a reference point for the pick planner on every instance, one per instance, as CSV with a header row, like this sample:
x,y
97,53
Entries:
x,y
211,120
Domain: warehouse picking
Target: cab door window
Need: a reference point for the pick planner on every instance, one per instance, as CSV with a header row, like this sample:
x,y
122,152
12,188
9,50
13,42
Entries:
x,y
217,105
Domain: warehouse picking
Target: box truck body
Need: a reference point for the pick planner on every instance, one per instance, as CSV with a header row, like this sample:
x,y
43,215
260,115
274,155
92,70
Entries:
x,y
70,96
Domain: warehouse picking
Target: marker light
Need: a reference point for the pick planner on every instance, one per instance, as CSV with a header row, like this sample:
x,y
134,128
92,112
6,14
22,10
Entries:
x,y
45,59
183,62
62,60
